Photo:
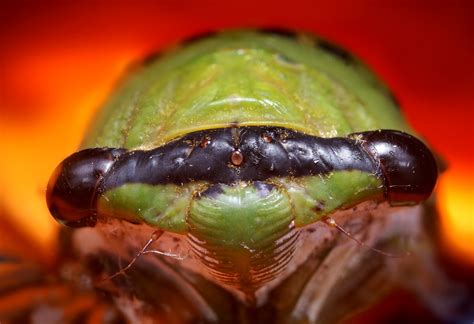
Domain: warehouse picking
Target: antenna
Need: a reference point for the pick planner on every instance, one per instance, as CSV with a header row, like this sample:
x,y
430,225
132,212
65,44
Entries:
x,y
332,223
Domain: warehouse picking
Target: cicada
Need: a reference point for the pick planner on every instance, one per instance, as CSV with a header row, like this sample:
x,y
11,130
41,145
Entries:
x,y
219,169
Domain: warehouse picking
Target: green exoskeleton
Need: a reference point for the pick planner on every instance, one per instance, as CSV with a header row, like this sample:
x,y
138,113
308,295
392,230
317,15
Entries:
x,y
235,145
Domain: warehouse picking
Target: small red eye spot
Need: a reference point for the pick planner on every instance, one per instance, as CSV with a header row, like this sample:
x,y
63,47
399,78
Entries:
x,y
237,158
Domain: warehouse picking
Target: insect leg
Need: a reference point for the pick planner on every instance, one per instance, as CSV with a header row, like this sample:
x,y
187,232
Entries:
x,y
154,237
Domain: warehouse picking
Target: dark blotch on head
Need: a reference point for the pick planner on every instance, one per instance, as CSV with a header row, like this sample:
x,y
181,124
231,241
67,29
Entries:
x,y
335,50
152,57
279,32
199,36
394,99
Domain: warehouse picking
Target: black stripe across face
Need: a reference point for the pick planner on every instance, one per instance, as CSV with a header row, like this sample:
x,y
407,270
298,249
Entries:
x,y
259,153
228,155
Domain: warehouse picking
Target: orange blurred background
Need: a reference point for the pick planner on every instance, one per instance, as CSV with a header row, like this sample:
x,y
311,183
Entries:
x,y
60,60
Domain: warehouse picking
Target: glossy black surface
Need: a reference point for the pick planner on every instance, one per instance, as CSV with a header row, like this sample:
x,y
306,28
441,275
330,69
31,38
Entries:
x,y
405,164
72,188
408,167
287,153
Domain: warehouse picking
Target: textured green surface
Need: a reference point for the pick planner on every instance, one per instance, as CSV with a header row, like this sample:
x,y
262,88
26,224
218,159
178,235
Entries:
x,y
316,197
163,206
241,217
248,78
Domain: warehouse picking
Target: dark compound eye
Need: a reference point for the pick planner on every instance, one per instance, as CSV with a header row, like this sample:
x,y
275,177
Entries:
x,y
72,189
408,167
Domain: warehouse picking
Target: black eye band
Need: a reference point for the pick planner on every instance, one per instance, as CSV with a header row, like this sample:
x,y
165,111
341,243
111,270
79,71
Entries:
x,y
228,155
